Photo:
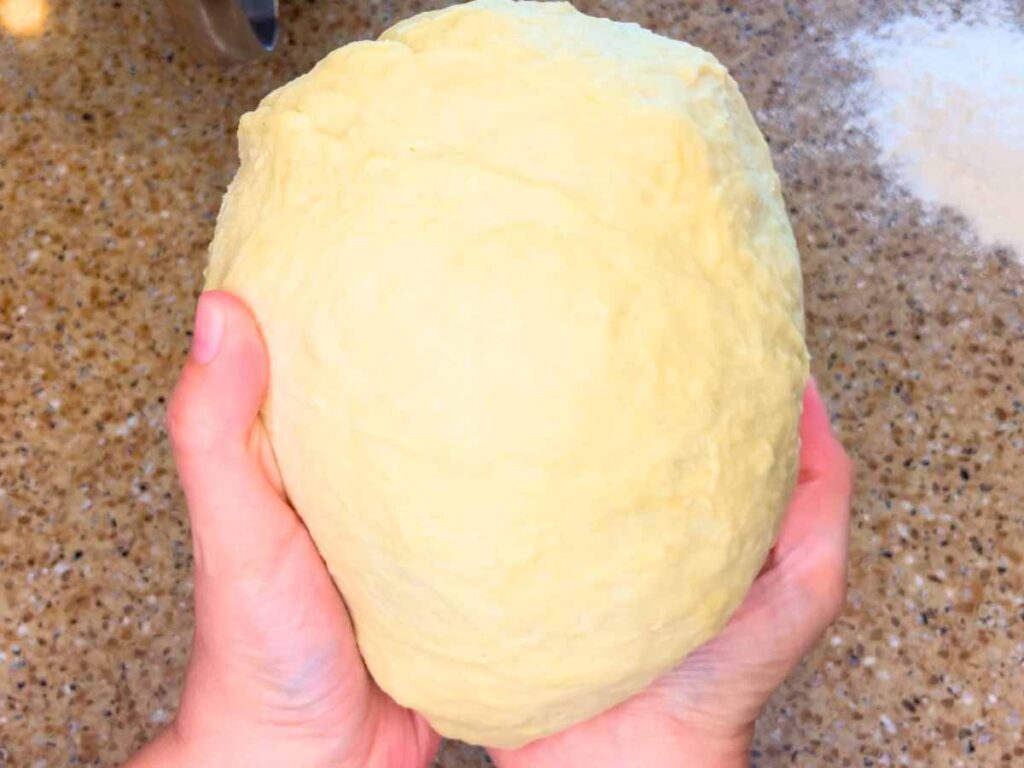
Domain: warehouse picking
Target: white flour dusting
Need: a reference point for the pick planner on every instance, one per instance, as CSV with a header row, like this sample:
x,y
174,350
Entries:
x,y
946,105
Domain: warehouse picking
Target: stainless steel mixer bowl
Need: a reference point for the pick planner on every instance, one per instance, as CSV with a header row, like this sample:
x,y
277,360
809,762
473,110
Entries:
x,y
227,30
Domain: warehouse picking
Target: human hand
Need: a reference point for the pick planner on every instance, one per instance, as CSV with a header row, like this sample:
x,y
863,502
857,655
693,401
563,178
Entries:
x,y
702,713
275,677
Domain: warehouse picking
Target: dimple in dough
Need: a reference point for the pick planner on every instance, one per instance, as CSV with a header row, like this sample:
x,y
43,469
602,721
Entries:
x,y
534,315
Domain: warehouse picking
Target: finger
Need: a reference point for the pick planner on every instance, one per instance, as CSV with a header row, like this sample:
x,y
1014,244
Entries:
x,y
820,452
811,552
820,505
239,517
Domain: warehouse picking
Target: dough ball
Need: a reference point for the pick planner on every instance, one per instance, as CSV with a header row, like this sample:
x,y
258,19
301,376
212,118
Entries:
x,y
534,314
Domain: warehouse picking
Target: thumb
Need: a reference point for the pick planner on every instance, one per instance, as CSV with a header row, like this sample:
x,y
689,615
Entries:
x,y
240,520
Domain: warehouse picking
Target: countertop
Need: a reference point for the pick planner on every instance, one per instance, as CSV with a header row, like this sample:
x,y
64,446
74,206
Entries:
x,y
115,149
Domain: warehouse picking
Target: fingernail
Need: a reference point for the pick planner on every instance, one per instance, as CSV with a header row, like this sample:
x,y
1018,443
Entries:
x,y
208,332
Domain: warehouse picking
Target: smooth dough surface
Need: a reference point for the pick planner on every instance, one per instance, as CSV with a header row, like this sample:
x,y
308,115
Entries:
x,y
534,314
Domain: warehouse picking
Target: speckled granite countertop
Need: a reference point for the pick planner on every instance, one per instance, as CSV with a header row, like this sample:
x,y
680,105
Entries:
x,y
115,147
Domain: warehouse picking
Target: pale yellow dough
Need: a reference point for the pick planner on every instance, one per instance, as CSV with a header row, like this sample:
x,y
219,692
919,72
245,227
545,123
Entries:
x,y
534,315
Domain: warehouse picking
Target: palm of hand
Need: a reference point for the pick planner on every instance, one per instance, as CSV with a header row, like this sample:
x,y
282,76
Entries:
x,y
285,655
275,677
708,704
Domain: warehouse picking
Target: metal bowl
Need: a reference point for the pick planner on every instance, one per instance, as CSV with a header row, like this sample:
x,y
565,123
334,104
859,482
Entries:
x,y
227,30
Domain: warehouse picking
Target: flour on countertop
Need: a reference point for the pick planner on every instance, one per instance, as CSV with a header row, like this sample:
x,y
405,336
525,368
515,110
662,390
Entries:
x,y
945,102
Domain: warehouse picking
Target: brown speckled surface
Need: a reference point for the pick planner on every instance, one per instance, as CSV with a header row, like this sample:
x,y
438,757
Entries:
x,y
115,147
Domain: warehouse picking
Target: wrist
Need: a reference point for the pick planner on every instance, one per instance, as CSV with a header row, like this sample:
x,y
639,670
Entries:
x,y
171,750
653,742
166,750
700,748
216,743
